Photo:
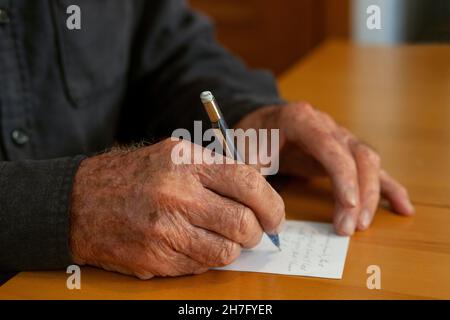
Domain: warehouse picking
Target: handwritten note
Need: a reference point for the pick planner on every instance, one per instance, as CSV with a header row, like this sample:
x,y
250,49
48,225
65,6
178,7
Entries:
x,y
308,249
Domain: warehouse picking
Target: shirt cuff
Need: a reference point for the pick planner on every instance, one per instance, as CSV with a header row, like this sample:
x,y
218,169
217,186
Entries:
x,y
35,217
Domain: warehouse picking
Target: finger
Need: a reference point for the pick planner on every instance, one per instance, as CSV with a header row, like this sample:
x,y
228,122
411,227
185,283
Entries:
x,y
345,219
171,263
208,248
122,269
318,138
368,164
229,219
179,264
396,194
248,187
327,119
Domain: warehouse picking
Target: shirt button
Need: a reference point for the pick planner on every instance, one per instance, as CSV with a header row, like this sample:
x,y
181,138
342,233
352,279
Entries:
x,y
19,137
4,17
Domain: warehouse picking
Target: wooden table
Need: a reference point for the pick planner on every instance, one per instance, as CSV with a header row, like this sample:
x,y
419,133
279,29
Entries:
x,y
396,98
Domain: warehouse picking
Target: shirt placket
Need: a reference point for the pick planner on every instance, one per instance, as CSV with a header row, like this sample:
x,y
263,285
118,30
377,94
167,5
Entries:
x,y
15,117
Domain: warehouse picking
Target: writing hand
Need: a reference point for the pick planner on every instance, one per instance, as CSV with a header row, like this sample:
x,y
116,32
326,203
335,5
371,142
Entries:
x,y
138,213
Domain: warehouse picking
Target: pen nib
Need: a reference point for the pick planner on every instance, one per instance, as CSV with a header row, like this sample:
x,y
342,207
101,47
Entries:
x,y
275,240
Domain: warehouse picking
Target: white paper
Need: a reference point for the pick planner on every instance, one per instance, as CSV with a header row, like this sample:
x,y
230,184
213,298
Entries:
x,y
307,249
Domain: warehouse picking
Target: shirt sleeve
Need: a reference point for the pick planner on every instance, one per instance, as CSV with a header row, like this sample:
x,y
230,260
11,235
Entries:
x,y
175,58
34,214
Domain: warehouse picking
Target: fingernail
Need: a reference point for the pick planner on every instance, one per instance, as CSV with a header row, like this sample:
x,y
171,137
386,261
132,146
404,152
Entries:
x,y
347,225
350,196
365,219
410,207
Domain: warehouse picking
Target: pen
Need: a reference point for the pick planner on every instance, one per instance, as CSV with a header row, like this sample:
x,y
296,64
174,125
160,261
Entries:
x,y
222,133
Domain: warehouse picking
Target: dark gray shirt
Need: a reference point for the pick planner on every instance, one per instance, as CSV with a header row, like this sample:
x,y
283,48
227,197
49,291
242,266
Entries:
x,y
134,71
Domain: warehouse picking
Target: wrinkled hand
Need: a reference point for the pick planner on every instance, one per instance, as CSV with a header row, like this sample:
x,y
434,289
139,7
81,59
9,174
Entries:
x,y
312,144
138,213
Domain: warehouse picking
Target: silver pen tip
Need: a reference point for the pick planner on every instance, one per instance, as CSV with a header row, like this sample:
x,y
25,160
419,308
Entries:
x,y
206,96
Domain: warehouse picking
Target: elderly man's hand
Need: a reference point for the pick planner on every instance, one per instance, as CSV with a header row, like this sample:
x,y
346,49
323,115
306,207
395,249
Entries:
x,y
138,213
312,144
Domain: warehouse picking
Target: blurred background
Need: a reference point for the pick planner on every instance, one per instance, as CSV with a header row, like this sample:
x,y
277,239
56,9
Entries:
x,y
274,34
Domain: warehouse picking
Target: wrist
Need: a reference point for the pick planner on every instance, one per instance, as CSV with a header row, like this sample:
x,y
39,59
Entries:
x,y
75,212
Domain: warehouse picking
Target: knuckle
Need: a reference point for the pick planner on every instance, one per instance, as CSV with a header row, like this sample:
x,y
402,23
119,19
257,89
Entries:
x,y
299,110
226,253
345,138
243,222
251,179
303,107
326,139
327,119
370,155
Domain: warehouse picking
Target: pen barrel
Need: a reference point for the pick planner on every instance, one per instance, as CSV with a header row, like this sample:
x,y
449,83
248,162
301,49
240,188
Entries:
x,y
226,138
223,133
